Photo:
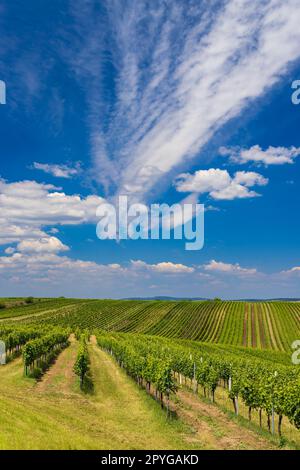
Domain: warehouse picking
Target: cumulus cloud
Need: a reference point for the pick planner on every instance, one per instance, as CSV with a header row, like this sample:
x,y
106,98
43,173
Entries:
x,y
28,206
295,271
203,181
255,154
42,259
59,171
11,232
165,267
228,268
10,250
49,272
60,271
219,184
42,245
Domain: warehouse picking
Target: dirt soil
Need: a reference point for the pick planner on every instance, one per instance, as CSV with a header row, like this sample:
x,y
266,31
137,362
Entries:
x,y
214,427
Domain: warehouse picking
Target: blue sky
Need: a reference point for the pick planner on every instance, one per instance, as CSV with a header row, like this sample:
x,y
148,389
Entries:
x,y
159,100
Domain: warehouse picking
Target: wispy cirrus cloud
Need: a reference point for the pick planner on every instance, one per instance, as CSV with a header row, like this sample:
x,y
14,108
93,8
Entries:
x,y
59,171
196,71
157,78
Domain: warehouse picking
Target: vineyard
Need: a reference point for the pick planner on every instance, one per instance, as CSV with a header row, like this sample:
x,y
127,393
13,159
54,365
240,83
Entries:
x,y
260,325
236,355
36,308
263,386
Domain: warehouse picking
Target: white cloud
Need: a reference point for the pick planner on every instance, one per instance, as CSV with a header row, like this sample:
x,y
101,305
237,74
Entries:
x,y
165,267
255,154
291,272
28,206
42,245
250,178
202,72
212,208
60,171
9,251
11,232
234,191
39,272
219,184
57,269
47,273
37,261
203,181
227,268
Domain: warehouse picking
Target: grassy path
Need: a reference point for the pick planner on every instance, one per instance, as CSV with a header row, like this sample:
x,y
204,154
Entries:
x,y
54,414
129,417
60,378
214,427
116,414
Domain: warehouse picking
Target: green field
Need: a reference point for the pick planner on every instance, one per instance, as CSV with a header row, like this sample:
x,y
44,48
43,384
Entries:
x,y
144,360
261,325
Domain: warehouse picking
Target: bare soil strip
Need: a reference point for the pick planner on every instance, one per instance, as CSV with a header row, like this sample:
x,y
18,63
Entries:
x,y
214,427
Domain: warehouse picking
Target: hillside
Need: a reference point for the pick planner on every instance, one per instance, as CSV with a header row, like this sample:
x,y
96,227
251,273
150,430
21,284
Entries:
x,y
54,414
262,325
216,391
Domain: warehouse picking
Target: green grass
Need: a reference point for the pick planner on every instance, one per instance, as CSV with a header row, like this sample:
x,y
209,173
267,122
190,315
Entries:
x,y
117,415
112,412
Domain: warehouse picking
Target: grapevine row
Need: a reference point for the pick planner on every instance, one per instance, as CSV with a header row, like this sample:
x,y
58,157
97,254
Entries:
x,y
261,385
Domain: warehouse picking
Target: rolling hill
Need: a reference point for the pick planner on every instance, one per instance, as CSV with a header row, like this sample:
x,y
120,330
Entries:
x,y
262,325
